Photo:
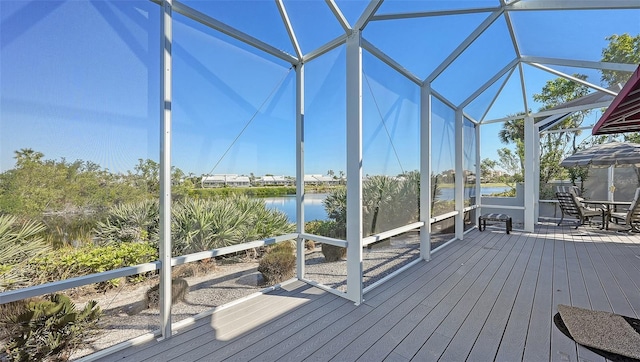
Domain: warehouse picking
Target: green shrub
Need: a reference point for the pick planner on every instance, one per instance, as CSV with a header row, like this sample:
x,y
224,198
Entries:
x,y
51,329
68,263
279,264
246,191
328,228
332,229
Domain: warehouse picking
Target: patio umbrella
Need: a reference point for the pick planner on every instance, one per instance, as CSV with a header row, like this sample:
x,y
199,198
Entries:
x,y
606,154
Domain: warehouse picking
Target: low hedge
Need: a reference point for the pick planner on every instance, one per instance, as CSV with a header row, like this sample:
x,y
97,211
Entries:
x,y
248,191
68,262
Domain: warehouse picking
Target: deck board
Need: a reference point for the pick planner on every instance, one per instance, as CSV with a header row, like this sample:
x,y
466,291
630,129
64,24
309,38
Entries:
x,y
487,342
489,297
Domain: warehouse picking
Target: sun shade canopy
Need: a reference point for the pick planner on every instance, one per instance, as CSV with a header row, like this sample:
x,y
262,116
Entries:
x,y
607,154
623,115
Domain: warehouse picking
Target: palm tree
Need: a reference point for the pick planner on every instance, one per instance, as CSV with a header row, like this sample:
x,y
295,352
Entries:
x,y
513,132
27,155
379,193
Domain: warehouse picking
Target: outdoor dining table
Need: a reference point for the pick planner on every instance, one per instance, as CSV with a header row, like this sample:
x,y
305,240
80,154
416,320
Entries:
x,y
608,204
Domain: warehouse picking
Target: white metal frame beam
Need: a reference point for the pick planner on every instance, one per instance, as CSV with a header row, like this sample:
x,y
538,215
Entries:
x,y
495,98
339,16
287,24
478,174
524,89
553,111
367,14
442,98
300,195
425,171
512,34
572,5
468,117
232,32
426,14
166,74
325,48
354,167
464,45
390,62
459,174
530,200
573,79
621,67
490,82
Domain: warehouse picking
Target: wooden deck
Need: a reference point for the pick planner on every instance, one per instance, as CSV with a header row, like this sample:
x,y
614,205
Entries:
x,y
489,297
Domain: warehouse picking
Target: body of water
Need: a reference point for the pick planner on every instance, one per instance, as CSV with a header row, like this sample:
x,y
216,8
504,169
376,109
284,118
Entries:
x,y
314,209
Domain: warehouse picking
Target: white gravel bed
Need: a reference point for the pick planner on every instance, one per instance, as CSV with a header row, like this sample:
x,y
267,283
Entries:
x,y
126,316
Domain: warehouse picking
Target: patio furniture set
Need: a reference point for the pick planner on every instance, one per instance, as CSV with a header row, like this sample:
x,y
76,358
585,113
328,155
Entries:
x,y
573,205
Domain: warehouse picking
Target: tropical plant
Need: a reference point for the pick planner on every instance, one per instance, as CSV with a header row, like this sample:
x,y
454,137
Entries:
x,y
51,329
199,225
130,222
408,199
379,193
388,202
335,204
19,242
622,48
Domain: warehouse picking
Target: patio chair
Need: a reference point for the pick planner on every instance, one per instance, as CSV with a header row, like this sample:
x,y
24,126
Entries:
x,y
570,204
631,217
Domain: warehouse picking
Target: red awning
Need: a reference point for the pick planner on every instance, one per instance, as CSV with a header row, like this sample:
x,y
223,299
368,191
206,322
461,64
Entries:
x,y
623,115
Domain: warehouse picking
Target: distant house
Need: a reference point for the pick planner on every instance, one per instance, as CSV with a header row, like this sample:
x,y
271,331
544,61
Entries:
x,y
225,180
315,180
275,181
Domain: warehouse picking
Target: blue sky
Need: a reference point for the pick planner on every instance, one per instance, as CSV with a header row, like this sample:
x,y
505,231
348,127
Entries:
x,y
80,80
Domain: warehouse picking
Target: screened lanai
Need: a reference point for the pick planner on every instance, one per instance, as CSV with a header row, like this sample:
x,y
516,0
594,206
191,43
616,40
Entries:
x,y
406,98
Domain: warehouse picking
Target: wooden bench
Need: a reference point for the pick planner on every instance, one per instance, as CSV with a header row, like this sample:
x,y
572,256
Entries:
x,y
482,221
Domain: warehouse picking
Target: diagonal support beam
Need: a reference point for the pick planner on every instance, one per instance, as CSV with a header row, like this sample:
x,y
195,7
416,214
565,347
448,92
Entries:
x,y
524,89
574,79
212,23
621,67
572,5
390,62
287,25
428,14
325,48
339,16
367,14
495,98
464,45
488,84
